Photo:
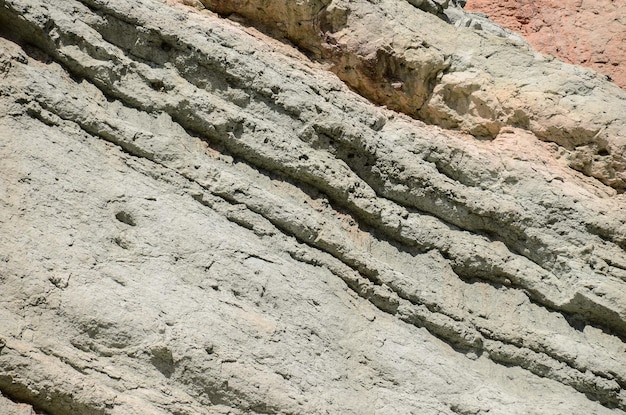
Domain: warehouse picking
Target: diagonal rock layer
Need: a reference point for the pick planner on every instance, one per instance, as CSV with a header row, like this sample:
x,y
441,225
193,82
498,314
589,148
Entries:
x,y
199,217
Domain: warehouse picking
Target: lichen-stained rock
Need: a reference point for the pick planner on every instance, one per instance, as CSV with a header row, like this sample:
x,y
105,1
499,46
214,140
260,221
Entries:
x,y
455,77
198,219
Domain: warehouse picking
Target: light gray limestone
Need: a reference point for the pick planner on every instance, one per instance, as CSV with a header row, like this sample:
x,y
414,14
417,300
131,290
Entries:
x,y
196,219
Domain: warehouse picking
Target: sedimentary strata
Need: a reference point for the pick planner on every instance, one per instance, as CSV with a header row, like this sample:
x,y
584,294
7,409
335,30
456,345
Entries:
x,y
464,79
200,218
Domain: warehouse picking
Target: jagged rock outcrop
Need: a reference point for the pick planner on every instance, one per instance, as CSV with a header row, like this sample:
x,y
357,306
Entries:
x,y
589,33
404,59
198,218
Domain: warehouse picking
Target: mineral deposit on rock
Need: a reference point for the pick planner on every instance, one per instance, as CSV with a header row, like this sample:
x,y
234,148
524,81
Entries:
x,y
321,207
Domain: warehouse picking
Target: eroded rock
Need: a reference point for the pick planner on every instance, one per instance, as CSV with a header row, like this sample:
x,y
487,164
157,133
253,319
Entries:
x,y
199,219
589,33
418,65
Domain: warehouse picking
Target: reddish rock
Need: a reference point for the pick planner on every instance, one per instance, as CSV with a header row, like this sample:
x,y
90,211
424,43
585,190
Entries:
x,y
583,32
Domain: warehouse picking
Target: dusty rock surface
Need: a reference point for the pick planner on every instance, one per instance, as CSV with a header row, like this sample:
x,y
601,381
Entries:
x,y
582,32
197,218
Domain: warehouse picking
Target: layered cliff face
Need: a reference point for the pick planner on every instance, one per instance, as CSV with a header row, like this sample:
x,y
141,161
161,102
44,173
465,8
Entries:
x,y
304,208
590,33
419,65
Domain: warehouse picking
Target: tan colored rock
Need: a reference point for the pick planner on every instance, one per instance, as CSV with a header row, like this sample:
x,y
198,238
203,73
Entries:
x,y
589,33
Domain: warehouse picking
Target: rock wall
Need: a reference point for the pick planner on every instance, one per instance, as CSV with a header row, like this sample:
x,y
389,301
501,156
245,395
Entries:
x,y
199,218
407,60
589,33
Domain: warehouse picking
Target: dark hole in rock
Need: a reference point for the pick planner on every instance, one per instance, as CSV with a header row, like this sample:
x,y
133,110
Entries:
x,y
126,218
157,85
166,47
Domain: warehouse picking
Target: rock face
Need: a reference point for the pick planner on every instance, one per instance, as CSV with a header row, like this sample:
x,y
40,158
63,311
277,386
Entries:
x,y
589,33
199,218
408,61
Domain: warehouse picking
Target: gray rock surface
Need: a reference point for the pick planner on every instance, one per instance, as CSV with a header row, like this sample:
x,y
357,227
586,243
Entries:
x,y
197,219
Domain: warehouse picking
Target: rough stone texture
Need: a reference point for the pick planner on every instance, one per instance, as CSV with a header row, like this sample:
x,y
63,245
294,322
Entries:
x,y
583,32
9,407
197,219
463,79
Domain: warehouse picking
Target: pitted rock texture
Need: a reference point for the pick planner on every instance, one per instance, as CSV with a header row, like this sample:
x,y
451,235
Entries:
x,y
198,219
582,32
455,77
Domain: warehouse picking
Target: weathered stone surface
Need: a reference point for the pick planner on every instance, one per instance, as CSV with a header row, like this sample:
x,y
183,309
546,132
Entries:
x,y
589,33
462,79
11,408
196,218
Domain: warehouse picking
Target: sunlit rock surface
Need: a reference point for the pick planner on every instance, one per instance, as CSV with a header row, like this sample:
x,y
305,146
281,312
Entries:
x,y
199,217
589,33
